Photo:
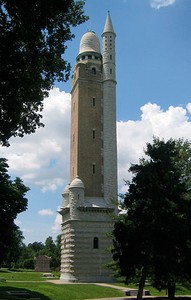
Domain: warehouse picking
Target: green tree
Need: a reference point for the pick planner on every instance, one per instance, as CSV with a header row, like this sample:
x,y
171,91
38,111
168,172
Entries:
x,y
12,203
28,263
27,252
26,260
36,247
57,256
49,246
52,249
33,39
153,237
14,249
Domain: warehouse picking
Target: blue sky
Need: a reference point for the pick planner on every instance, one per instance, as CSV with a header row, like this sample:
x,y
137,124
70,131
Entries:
x,y
153,61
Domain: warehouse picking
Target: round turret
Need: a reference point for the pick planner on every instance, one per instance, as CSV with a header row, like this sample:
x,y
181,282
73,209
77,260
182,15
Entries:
x,y
76,183
65,195
66,190
89,43
76,197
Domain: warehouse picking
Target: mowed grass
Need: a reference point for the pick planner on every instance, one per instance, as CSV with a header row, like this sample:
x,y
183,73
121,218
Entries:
x,y
38,287
20,275
50,291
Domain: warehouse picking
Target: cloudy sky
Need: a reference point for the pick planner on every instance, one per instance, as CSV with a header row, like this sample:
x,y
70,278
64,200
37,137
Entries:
x,y
153,99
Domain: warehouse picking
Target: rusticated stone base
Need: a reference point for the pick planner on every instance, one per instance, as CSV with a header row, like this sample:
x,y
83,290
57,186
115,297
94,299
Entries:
x,y
85,249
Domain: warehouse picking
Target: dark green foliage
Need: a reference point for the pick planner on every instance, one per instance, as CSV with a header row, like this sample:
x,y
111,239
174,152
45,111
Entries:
x,y
35,247
52,250
49,248
27,264
28,254
33,39
12,202
154,236
14,248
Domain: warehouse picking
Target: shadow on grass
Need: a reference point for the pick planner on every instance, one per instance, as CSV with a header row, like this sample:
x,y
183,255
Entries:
x,y
23,291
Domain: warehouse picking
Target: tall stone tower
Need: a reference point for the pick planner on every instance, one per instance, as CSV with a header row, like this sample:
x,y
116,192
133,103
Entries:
x,y
89,200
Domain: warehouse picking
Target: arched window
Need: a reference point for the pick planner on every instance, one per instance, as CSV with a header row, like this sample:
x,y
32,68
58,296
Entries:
x,y
93,168
93,134
94,70
96,243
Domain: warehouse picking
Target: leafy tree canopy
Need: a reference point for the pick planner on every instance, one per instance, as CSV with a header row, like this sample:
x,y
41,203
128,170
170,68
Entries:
x,y
14,249
49,248
13,202
33,39
154,236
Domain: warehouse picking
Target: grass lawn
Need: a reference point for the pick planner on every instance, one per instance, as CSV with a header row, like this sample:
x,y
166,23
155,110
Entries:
x,y
50,291
24,281
22,275
38,286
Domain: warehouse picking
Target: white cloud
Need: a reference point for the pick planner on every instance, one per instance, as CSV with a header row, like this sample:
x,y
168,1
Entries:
x,y
56,228
157,4
188,106
42,158
45,212
133,135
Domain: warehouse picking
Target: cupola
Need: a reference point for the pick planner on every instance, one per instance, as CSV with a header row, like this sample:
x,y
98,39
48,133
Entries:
x,y
89,43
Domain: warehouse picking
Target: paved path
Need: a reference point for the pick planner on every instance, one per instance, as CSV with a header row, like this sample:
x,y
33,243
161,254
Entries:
x,y
122,288
117,287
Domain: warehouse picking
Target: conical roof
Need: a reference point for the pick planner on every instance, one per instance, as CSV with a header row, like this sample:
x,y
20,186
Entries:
x,y
89,43
108,24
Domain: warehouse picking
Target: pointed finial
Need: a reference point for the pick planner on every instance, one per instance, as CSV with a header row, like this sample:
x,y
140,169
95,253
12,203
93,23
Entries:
x,y
108,24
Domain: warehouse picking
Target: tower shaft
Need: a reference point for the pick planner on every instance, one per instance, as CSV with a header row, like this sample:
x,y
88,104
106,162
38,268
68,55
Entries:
x,y
109,112
86,158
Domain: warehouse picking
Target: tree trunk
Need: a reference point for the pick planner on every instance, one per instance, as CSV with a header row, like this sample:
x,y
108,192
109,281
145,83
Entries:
x,y
142,284
171,290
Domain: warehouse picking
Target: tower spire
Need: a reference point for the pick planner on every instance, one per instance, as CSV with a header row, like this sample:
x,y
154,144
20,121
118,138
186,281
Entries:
x,y
108,24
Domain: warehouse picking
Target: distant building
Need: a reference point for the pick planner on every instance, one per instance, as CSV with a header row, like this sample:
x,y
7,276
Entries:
x,y
42,263
89,200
